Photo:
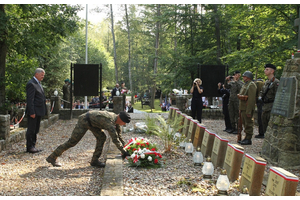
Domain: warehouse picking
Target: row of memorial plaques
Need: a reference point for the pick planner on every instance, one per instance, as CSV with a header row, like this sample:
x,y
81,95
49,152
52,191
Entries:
x,y
229,156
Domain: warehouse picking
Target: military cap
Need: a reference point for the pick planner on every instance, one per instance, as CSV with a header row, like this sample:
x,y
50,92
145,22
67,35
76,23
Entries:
x,y
237,72
270,66
125,117
248,74
67,80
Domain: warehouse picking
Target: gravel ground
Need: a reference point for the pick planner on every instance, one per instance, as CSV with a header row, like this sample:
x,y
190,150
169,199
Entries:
x,y
24,174
179,176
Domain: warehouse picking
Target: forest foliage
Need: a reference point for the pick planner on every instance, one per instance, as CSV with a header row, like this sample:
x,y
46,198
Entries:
x,y
52,36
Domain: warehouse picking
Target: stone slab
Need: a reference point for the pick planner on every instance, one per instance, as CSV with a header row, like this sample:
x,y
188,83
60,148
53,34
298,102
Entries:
x,y
207,143
233,161
198,135
219,151
281,183
253,174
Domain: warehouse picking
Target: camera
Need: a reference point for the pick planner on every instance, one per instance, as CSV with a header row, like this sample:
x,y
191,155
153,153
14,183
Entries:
x,y
231,78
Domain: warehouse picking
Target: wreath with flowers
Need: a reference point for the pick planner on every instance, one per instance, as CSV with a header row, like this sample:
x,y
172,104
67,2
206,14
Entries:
x,y
142,153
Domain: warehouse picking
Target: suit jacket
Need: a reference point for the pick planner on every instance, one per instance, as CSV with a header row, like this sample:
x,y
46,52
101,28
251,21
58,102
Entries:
x,y
36,100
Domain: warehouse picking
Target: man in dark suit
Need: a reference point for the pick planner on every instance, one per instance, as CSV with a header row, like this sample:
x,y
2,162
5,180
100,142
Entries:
x,y
35,109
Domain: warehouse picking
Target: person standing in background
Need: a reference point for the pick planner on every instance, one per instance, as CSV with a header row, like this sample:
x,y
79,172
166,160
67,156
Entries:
x,y
259,104
267,96
35,108
197,103
66,93
225,100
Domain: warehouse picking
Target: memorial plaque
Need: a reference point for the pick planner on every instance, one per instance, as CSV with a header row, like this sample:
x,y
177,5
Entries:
x,y
186,121
207,143
253,174
233,161
198,135
174,113
285,99
281,183
189,121
182,116
219,151
192,129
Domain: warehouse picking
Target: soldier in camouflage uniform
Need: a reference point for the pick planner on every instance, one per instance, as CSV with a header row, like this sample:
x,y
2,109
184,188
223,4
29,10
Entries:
x,y
234,84
267,96
259,104
247,97
95,121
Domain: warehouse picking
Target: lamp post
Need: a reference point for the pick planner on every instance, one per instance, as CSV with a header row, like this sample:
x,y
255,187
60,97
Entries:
x,y
208,169
198,157
223,183
189,147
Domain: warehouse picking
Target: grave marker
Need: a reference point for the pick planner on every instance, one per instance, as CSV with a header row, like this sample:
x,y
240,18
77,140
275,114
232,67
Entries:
x,y
207,143
187,122
219,151
174,114
253,174
198,135
233,161
281,183
182,116
171,109
192,129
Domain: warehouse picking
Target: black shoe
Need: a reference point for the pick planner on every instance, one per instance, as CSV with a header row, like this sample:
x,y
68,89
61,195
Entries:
x,y
53,162
234,132
225,130
230,131
33,150
98,164
246,142
259,136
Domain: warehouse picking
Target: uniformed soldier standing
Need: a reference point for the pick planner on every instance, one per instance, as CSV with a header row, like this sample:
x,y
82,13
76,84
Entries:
x,y
95,121
267,96
247,98
259,104
234,84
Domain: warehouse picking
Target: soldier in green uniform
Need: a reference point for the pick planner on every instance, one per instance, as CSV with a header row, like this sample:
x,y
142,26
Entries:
x,y
259,104
247,97
267,96
95,121
234,84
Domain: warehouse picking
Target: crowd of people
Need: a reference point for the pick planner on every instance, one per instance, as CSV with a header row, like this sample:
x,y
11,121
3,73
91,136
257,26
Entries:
x,y
239,100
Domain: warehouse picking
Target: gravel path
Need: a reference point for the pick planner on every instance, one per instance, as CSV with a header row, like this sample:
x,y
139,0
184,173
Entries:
x,y
24,174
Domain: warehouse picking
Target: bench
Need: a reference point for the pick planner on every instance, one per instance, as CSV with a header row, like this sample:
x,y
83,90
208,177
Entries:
x,y
145,102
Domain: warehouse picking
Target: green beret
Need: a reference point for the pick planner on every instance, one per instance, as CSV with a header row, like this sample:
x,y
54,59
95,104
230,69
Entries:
x,y
67,80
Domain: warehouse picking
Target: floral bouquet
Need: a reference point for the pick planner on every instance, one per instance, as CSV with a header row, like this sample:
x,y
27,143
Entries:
x,y
143,153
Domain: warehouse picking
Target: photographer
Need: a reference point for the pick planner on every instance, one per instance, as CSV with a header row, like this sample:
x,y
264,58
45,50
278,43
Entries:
x,y
225,99
197,104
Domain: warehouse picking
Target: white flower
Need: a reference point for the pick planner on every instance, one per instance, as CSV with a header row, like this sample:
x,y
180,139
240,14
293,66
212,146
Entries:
x,y
142,156
132,155
150,158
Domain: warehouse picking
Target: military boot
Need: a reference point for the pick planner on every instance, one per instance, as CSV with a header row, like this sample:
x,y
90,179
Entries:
x,y
97,163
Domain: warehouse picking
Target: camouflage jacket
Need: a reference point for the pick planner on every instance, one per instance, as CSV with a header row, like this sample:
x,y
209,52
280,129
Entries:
x,y
235,87
107,121
268,95
249,89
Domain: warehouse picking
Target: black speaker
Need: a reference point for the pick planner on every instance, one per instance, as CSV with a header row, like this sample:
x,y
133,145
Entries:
x,y
86,79
211,75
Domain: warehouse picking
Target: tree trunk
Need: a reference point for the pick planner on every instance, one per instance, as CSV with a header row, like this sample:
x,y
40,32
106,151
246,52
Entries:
x,y
156,55
3,51
217,25
114,43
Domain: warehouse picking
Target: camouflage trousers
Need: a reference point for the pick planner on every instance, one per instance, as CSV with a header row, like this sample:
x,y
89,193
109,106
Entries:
x,y
233,108
79,131
265,118
248,123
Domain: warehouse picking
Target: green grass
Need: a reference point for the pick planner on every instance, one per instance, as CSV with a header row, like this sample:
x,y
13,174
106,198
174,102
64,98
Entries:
x,y
146,108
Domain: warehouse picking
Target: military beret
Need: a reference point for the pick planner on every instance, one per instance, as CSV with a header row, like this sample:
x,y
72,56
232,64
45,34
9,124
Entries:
x,y
237,72
67,80
125,117
270,66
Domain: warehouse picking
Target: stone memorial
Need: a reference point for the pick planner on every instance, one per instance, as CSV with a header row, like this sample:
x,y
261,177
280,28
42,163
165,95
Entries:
x,y
281,145
192,129
233,161
187,122
198,135
207,143
253,174
219,151
118,104
281,183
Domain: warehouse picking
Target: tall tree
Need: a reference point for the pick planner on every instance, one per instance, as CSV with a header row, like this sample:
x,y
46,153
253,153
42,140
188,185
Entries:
x,y
3,50
114,42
